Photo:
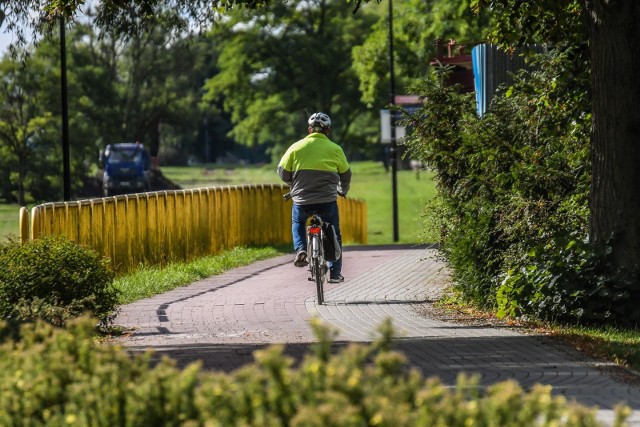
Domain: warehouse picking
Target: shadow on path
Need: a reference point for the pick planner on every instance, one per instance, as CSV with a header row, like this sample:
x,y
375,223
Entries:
x,y
397,247
493,359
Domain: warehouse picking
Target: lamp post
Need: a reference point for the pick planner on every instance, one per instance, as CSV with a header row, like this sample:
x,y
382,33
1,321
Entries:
x,y
394,146
66,173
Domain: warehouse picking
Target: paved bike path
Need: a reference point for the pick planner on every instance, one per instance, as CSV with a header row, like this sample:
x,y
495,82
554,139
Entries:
x,y
221,320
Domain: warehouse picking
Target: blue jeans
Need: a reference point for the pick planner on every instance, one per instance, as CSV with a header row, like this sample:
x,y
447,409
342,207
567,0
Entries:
x,y
329,213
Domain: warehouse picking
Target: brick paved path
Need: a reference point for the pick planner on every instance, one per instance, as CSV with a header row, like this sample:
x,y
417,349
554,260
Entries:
x,y
223,319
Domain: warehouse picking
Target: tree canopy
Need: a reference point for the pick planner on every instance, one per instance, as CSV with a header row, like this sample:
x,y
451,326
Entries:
x,y
279,66
252,75
119,91
417,25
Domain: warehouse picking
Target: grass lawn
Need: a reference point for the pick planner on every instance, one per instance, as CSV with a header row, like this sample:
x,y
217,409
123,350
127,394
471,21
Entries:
x,y
9,221
370,182
215,175
620,345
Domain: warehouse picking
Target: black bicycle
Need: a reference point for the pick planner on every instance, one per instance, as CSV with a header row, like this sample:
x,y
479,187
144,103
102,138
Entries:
x,y
318,266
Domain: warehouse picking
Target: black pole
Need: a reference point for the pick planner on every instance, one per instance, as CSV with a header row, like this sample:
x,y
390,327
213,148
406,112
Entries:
x,y
394,147
66,169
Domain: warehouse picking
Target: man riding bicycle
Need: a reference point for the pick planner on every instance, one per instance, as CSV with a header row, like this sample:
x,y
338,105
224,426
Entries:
x,y
317,171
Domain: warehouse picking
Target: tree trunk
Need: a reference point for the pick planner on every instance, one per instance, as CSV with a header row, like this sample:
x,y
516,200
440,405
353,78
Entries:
x,y
21,198
22,177
615,141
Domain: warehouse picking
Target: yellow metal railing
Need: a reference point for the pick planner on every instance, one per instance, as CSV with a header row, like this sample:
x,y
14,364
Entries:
x,y
161,227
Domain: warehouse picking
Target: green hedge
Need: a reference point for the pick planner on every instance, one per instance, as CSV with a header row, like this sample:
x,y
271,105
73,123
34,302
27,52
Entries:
x,y
569,279
513,184
54,279
64,377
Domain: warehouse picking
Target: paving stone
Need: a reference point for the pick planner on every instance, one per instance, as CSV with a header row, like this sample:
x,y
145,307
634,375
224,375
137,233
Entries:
x,y
223,319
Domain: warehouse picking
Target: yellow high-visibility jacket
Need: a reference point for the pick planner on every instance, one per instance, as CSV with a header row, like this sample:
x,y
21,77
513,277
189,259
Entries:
x,y
316,169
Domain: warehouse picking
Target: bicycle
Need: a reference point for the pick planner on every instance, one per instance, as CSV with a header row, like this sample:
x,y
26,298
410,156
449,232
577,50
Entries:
x,y
318,266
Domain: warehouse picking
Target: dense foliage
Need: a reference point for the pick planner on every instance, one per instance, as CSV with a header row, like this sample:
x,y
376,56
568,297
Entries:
x,y
279,66
238,89
54,279
590,29
417,24
54,378
119,91
513,184
568,278
520,23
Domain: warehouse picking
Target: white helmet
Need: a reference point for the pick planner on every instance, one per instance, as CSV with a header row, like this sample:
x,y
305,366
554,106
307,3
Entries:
x,y
319,120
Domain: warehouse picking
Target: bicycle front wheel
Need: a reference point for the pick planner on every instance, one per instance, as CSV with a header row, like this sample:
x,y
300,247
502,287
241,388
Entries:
x,y
318,271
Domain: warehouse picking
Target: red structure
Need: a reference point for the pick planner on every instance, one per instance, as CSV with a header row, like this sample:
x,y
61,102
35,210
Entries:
x,y
462,64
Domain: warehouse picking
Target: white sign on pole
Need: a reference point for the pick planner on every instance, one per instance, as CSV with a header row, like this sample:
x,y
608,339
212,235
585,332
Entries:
x,y
385,128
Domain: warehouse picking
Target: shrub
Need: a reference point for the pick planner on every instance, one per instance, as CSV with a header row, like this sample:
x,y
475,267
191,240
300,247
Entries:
x,y
63,377
54,279
510,179
570,280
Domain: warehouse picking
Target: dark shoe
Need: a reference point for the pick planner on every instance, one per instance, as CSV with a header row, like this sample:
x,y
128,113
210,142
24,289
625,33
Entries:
x,y
336,278
301,259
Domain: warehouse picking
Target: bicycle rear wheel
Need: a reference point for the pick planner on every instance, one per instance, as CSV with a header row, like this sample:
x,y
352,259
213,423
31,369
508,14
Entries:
x,y
317,264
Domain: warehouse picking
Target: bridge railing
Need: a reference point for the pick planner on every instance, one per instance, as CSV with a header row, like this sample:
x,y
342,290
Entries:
x,y
165,226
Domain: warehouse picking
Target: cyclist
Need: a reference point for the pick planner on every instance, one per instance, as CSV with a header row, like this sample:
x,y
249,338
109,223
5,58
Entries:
x,y
317,171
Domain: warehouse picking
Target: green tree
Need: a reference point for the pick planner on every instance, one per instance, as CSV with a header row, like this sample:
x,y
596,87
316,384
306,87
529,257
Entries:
x,y
155,90
187,128
24,123
94,66
92,107
282,64
604,28
417,25
119,89
126,19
